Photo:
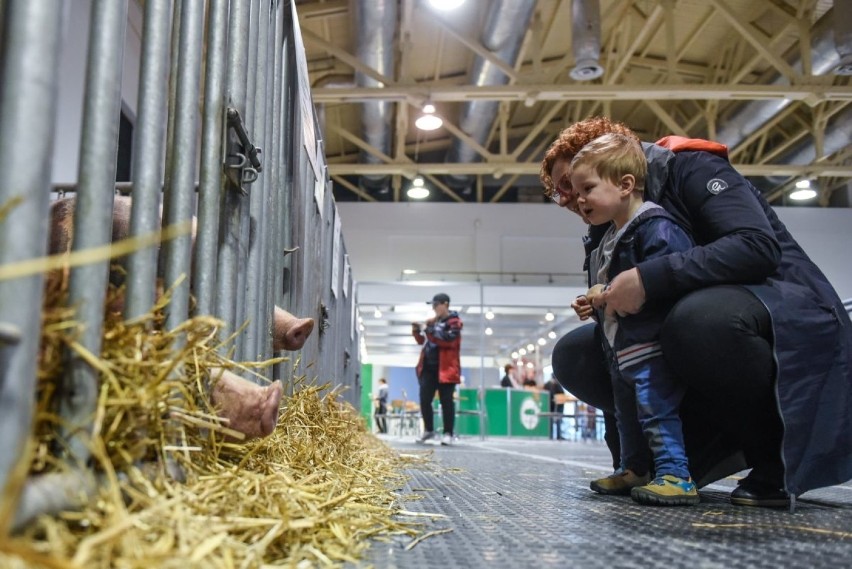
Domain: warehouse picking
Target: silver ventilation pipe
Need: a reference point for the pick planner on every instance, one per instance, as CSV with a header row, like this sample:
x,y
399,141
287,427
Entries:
x,y
838,135
751,116
504,31
375,25
825,58
586,40
843,36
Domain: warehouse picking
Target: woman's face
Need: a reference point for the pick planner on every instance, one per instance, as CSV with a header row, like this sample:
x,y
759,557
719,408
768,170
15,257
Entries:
x,y
563,194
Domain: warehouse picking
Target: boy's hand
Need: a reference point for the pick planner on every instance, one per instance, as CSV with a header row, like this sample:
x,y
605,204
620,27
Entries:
x,y
582,307
595,296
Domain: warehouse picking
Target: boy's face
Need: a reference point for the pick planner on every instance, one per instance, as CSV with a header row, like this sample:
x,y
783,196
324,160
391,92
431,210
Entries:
x,y
600,200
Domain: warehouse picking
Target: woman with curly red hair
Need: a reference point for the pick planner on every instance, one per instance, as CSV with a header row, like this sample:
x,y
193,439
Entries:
x,y
759,338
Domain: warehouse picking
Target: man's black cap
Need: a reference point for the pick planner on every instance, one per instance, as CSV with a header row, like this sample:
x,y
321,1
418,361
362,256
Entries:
x,y
439,298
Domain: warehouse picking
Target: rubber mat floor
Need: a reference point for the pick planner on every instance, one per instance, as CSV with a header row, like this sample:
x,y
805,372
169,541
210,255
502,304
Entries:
x,y
526,503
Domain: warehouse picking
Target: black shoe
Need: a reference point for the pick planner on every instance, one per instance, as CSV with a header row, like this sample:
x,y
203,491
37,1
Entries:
x,y
760,495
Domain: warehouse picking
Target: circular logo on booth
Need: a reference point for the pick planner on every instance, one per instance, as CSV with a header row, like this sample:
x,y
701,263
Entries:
x,y
529,414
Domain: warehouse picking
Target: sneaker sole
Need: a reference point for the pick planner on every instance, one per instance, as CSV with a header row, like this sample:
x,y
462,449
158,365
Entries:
x,y
608,492
650,499
762,503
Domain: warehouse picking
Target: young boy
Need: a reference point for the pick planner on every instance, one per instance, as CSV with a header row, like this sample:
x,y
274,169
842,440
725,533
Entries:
x,y
608,175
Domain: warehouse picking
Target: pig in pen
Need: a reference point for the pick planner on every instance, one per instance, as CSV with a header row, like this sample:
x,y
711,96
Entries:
x,y
213,90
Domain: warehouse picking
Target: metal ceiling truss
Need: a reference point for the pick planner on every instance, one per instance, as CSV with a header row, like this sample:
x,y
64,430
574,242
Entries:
x,y
666,93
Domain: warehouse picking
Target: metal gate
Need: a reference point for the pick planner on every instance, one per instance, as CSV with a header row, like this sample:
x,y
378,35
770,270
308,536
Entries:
x,y
224,130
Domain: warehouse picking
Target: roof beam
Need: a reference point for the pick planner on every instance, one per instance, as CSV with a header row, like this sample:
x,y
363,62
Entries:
x,y
415,94
532,168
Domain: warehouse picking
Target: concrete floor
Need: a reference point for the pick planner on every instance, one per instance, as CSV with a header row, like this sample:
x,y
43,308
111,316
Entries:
x,y
526,503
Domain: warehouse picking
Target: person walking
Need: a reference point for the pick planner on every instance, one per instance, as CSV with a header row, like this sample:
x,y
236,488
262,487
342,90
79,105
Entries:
x,y
382,407
439,366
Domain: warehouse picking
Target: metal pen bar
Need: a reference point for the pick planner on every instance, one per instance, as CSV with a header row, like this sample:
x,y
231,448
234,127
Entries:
x,y
229,242
28,99
93,213
178,198
147,171
257,211
276,183
211,179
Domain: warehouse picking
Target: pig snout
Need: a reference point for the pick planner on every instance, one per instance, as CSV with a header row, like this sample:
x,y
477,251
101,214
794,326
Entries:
x,y
250,409
290,333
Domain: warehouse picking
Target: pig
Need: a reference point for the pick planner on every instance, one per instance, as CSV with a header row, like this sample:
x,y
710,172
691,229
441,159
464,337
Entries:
x,y
249,408
289,331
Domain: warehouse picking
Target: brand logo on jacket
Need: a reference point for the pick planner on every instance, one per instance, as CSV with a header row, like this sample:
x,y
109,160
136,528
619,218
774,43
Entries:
x,y
716,186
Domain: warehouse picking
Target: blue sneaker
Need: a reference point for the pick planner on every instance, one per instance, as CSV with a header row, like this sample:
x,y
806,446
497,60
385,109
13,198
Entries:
x,y
667,490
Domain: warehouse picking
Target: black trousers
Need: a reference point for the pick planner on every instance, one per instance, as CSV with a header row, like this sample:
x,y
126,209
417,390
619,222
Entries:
x,y
718,342
381,420
428,385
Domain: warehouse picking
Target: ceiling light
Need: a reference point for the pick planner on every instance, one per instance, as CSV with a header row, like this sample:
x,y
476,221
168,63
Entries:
x,y
417,193
514,355
541,341
802,184
446,4
409,272
488,331
428,120
489,315
377,313
417,181
551,335
530,347
549,316
522,352
803,194
530,365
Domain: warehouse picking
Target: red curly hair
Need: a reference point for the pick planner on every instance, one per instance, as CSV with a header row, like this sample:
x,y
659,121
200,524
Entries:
x,y
572,139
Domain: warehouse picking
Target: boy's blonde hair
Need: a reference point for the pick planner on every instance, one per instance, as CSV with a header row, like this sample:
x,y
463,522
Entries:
x,y
612,156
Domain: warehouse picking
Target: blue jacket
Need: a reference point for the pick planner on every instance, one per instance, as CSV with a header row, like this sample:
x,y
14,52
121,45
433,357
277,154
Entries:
x,y
652,233
740,240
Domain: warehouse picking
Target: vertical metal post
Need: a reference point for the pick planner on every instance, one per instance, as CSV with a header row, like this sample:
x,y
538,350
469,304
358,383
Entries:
x,y
229,232
243,275
481,390
28,94
93,212
177,205
211,178
257,197
276,182
147,171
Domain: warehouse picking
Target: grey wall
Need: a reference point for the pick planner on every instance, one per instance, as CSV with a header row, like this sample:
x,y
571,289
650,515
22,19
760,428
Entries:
x,y
382,239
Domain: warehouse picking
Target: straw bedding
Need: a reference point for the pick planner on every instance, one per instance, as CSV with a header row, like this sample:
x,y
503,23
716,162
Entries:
x,y
174,491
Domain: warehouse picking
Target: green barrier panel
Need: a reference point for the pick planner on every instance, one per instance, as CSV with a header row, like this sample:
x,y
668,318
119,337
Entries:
x,y
509,412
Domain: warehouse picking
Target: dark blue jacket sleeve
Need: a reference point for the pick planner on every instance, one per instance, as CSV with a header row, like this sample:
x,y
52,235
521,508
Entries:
x,y
734,240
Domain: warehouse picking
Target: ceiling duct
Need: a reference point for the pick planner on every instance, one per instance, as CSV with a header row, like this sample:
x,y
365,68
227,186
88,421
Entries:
x,y
586,40
375,25
751,116
843,36
503,34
